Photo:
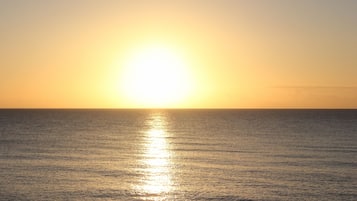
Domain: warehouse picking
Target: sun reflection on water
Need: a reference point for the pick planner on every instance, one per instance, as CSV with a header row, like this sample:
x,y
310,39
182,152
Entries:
x,y
156,160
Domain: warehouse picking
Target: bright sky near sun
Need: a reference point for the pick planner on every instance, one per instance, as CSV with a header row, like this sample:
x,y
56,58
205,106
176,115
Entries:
x,y
180,54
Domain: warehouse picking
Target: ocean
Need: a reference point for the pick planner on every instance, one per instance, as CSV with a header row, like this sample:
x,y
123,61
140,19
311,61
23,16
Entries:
x,y
198,154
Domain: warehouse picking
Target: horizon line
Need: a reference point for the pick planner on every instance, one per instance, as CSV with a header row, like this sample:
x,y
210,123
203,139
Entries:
x,y
193,108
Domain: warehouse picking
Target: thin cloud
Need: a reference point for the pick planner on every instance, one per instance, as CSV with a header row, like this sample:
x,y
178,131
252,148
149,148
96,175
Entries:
x,y
316,87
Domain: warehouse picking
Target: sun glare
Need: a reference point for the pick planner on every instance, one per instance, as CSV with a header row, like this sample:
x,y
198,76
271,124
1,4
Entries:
x,y
156,76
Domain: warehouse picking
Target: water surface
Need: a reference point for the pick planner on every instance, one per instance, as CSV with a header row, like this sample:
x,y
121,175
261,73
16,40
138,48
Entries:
x,y
178,154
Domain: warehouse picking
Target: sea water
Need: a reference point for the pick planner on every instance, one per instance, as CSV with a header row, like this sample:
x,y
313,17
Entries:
x,y
178,155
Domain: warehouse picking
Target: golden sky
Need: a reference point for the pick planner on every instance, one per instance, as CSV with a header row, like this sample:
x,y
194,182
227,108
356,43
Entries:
x,y
234,54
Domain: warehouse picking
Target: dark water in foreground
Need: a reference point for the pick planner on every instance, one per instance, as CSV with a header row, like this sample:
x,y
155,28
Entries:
x,y
178,155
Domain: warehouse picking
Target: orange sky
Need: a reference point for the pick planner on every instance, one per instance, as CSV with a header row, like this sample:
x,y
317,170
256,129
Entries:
x,y
239,54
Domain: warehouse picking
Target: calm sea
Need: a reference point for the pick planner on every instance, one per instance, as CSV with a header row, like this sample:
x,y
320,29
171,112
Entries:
x,y
178,155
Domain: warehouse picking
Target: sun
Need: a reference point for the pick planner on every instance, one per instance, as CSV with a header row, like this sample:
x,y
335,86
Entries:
x,y
156,76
